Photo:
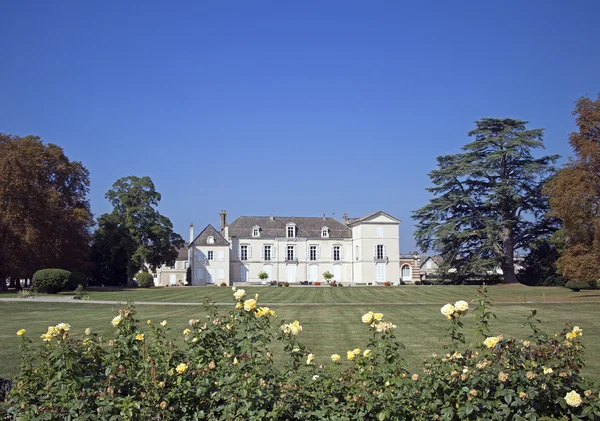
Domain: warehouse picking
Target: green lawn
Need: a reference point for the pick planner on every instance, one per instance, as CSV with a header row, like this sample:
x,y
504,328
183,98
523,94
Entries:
x,y
327,329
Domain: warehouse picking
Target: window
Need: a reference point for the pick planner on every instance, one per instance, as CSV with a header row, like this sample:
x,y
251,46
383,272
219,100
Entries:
x,y
380,272
185,264
210,240
312,253
336,252
379,232
267,252
380,253
155,275
243,252
406,275
324,232
211,255
256,231
291,230
291,252
220,274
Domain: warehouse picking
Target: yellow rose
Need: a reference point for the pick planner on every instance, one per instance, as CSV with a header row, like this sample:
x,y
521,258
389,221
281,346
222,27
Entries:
x,y
350,355
356,351
21,332
256,296
548,370
186,332
139,337
573,398
295,327
235,361
249,304
116,320
195,340
181,368
577,331
448,310
461,307
491,341
149,322
239,294
378,316
367,353
335,357
164,323
415,377
88,331
310,358
367,318
239,305
64,327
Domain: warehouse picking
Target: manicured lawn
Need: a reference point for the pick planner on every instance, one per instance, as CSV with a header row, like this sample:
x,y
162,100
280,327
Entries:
x,y
326,294
327,329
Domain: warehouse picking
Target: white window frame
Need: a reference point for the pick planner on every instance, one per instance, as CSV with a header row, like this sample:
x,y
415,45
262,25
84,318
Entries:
x,y
210,240
210,255
267,257
290,229
244,252
256,231
292,248
324,232
312,248
337,253
409,277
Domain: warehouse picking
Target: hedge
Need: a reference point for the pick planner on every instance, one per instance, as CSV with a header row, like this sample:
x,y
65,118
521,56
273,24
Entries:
x,y
51,281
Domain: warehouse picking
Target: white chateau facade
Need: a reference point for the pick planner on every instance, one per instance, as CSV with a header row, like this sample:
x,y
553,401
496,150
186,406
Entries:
x,y
297,250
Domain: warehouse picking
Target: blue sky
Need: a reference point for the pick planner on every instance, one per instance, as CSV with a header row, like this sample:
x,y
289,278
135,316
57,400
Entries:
x,y
290,108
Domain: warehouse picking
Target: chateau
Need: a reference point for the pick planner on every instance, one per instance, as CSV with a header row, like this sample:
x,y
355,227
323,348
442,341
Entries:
x,y
297,250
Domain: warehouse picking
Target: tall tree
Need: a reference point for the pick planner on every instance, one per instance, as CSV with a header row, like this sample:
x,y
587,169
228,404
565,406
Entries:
x,y
488,200
151,240
111,248
575,196
45,217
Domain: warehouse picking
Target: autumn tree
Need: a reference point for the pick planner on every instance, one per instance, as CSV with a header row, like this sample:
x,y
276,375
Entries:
x,y
575,196
45,217
488,201
144,236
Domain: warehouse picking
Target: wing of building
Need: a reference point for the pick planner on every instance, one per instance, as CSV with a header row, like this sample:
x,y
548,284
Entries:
x,y
297,250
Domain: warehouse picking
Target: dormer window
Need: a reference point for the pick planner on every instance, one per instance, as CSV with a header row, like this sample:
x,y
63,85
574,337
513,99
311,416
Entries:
x,y
256,231
325,232
290,230
210,240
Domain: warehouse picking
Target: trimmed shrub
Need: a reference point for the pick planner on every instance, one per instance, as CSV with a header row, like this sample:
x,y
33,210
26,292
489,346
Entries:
x,y
280,284
328,276
263,275
577,285
417,282
333,284
223,284
286,284
145,280
386,284
51,281
76,279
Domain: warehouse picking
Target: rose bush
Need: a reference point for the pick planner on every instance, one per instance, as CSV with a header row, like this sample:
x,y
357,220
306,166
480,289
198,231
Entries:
x,y
221,368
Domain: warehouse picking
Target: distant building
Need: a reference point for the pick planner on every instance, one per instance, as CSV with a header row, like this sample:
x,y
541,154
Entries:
x,y
410,268
297,250
173,275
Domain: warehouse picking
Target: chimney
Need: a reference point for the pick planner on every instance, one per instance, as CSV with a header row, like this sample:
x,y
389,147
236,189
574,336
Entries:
x,y
223,215
324,217
191,232
271,216
345,218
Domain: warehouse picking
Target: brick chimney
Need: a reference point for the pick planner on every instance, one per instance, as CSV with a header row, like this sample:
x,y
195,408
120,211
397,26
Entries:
x,y
223,215
191,232
345,218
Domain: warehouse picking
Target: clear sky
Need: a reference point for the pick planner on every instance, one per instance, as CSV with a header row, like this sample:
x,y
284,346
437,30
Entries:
x,y
287,107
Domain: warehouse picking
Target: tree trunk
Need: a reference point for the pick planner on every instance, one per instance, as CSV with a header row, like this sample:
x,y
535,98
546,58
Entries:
x,y
508,256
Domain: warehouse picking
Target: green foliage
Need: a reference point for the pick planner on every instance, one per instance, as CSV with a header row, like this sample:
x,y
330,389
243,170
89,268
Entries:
x,y
145,280
328,276
134,233
577,285
51,281
222,368
488,202
539,267
77,278
263,275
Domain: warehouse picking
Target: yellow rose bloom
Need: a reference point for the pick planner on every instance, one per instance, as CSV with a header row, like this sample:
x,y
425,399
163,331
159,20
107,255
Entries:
x,y
186,332
548,370
491,341
577,331
367,353
367,318
164,323
461,307
378,316
249,304
139,337
356,351
239,305
181,368
88,331
235,361
448,310
573,398
310,359
239,294
195,340
350,355
64,327
21,332
335,357
295,327
116,320
256,296
149,322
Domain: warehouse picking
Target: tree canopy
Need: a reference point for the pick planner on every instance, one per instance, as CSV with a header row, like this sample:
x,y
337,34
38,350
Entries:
x,y
575,196
488,201
45,217
134,232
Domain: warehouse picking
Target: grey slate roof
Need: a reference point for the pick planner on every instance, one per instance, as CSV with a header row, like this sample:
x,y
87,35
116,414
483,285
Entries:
x,y
183,253
363,218
306,227
202,238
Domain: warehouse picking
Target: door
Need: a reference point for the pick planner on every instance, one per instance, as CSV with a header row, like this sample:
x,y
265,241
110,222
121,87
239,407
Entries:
x,y
406,275
380,269
337,273
291,273
243,273
313,273
172,279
